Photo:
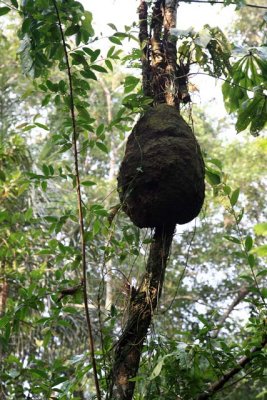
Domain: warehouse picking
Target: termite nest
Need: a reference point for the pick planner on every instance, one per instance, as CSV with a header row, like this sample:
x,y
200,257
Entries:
x,y
161,177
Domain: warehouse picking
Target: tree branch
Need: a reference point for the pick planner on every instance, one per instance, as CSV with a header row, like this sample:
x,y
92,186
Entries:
x,y
243,291
218,385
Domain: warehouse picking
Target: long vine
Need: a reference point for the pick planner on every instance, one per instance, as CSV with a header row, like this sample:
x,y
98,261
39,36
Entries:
x,y
80,209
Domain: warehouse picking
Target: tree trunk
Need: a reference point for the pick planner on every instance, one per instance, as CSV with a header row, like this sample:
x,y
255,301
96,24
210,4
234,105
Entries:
x,y
143,302
160,73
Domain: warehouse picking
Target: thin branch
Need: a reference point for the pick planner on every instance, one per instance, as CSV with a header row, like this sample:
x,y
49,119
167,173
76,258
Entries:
x,y
79,200
9,6
222,2
181,277
243,291
241,364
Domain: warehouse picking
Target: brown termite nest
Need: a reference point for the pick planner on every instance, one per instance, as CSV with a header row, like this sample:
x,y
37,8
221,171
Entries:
x,y
161,178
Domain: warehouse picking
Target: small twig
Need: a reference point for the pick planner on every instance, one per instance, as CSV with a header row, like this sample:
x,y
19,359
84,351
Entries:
x,y
80,210
243,291
181,277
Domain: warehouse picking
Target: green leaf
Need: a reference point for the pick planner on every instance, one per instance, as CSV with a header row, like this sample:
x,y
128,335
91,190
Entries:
x,y
261,229
213,178
242,122
157,370
88,183
251,260
50,218
112,26
28,128
39,372
46,100
232,239
4,321
87,25
42,126
98,68
14,3
94,55
28,214
96,227
248,243
130,83
45,170
260,251
51,86
102,147
115,40
47,338
44,185
110,52
227,190
2,176
234,197
59,380
216,162
69,309
262,273
109,65
100,129
87,73
72,30
4,10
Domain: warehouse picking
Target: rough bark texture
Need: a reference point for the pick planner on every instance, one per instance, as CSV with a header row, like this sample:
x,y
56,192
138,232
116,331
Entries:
x,y
168,78
161,179
141,308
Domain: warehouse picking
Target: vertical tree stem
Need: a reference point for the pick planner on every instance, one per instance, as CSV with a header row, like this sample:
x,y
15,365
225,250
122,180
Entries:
x,y
143,303
80,210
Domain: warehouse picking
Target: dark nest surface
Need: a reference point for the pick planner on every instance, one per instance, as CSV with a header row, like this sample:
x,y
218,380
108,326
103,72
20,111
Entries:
x,y
161,178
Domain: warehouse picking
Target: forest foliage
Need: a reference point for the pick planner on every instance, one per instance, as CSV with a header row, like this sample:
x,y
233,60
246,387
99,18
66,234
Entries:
x,y
63,130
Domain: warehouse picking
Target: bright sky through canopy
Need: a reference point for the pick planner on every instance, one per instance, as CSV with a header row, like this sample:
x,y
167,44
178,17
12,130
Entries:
x,y
124,12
